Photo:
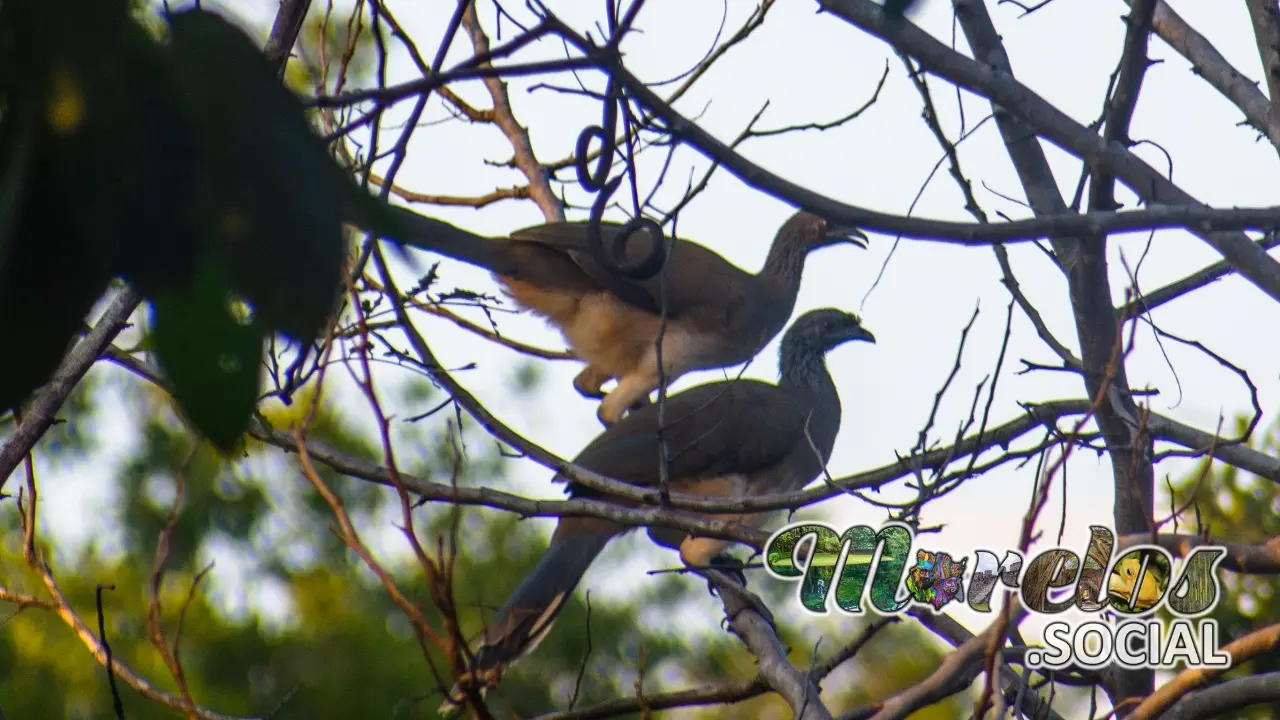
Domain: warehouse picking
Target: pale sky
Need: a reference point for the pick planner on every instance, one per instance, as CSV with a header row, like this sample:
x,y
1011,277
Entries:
x,y
815,68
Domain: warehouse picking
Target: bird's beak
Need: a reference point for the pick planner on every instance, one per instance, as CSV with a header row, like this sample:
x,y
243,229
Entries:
x,y
862,334
851,235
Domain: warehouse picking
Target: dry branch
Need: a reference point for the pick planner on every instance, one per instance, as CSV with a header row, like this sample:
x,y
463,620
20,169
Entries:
x,y
1221,699
799,689
986,78
1208,63
39,414
1037,415
539,188
1261,559
1242,650
1266,30
954,674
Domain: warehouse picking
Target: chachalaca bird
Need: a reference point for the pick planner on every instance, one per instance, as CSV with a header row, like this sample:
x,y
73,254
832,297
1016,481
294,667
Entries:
x,y
717,314
730,439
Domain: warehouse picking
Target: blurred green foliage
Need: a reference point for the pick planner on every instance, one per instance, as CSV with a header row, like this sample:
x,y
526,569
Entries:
x,y
316,631
1228,503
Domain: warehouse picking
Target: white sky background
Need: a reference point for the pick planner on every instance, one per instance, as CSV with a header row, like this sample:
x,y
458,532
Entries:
x,y
815,68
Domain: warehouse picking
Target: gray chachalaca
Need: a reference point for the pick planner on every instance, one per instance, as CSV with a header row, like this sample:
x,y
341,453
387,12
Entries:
x,y
730,439
717,314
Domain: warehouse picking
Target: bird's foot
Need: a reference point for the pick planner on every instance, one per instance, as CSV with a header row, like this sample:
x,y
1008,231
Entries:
x,y
740,600
607,415
589,381
729,565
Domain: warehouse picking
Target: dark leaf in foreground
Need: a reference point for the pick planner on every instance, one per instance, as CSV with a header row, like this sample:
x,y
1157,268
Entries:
x,y
17,150
282,202
210,349
48,283
125,152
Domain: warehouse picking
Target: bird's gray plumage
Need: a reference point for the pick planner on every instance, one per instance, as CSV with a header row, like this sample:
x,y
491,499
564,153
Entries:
x,y
730,438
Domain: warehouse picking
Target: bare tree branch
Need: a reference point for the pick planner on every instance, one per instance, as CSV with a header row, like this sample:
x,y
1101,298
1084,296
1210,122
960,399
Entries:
x,y
1046,120
799,689
1032,704
1266,29
1241,558
1208,63
290,17
1212,273
539,188
1124,100
954,674
1241,650
729,692
39,414
1097,327
1219,700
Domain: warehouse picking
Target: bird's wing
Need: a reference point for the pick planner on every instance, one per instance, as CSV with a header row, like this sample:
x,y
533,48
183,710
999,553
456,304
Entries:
x,y
735,426
696,275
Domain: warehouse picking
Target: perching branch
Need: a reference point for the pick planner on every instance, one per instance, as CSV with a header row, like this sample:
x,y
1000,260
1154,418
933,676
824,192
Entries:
x,y
798,688
39,414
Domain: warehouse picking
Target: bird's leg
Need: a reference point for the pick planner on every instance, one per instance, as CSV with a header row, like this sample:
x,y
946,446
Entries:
x,y
697,552
589,381
731,566
707,553
642,402
742,599
630,390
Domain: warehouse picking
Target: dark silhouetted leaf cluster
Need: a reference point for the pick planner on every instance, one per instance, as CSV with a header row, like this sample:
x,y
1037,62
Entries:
x,y
183,167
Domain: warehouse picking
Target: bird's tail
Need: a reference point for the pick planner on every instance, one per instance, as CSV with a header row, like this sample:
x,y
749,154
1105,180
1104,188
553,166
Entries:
x,y
530,611
413,230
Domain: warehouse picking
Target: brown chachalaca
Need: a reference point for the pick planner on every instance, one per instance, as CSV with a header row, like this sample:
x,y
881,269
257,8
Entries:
x,y
728,439
717,314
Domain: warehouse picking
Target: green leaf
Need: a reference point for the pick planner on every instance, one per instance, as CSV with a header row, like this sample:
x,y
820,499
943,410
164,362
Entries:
x,y
211,351
282,197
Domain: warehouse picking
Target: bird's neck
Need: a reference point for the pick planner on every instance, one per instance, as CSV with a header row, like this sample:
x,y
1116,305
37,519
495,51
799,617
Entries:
x,y
784,265
804,375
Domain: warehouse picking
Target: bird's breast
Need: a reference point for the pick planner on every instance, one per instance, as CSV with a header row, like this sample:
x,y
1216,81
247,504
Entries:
x,y
729,485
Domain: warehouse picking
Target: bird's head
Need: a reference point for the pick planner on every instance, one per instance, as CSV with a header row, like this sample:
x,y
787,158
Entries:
x,y
814,232
825,329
